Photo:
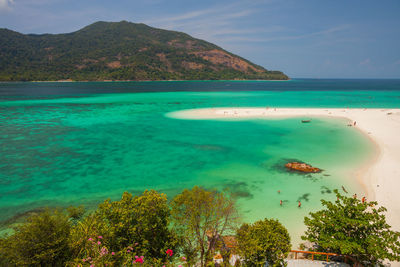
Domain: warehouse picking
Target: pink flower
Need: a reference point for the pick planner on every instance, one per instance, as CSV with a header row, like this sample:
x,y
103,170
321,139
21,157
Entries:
x,y
90,239
139,260
98,243
179,265
103,251
169,252
100,237
92,265
128,250
83,260
113,253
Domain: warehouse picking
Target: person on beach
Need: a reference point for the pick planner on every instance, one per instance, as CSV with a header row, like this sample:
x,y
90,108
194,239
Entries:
x,y
354,124
281,202
279,191
355,196
363,200
299,204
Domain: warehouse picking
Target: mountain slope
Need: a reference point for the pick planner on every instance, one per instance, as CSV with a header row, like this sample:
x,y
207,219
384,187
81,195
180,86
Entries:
x,y
120,51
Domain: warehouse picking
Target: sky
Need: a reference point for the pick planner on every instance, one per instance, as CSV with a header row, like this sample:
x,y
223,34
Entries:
x,y
302,38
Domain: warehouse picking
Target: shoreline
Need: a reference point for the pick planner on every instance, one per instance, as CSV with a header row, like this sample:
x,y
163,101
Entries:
x,y
380,176
110,81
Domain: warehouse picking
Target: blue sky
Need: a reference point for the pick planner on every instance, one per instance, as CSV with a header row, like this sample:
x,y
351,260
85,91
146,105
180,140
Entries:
x,y
303,38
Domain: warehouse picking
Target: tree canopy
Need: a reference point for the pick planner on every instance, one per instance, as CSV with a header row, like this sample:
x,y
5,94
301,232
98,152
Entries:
x,y
352,227
200,218
42,241
141,220
114,234
263,241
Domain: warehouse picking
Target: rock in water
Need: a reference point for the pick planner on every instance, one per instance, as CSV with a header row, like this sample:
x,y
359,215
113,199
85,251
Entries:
x,y
302,167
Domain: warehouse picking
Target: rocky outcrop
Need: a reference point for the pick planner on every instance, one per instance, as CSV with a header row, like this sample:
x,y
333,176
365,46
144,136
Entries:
x,y
302,167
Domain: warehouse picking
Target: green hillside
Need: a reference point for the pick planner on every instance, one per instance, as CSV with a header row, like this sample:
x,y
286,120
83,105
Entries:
x,y
120,51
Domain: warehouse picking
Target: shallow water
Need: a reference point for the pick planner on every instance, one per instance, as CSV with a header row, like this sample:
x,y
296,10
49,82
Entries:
x,y
62,149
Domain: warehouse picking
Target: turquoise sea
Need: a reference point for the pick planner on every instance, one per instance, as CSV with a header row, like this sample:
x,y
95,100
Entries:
x,y
79,143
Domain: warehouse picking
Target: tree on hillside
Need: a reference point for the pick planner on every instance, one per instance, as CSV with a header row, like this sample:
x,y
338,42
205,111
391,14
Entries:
x,y
263,241
350,227
200,218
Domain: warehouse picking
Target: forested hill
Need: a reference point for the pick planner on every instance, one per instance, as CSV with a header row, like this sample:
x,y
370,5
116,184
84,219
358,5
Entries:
x,y
120,51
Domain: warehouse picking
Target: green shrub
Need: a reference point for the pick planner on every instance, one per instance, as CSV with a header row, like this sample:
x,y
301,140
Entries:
x,y
263,241
41,241
140,221
200,218
353,227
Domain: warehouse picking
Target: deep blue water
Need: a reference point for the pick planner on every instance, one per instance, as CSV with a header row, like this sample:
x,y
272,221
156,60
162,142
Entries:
x,y
78,88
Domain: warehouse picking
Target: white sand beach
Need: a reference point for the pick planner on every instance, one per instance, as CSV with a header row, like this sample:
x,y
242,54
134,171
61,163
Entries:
x,y
381,177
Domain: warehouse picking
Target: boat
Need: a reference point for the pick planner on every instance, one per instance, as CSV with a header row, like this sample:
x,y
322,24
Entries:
x,y
305,121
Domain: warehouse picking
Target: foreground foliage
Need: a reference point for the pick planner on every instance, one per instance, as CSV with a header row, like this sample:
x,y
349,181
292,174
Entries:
x,y
200,218
263,241
144,230
350,227
41,241
131,230
141,220
139,224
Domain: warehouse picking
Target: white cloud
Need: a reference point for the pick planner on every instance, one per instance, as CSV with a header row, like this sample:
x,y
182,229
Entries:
x,y
210,22
365,62
6,4
233,23
181,17
327,62
285,36
216,13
